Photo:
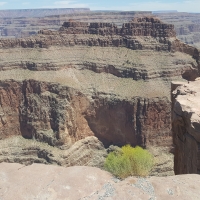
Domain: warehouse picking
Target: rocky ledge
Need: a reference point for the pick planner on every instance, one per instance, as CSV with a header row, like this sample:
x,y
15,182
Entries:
x,y
186,126
39,181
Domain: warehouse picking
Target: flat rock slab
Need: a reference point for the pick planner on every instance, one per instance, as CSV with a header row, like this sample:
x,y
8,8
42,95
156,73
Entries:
x,y
40,181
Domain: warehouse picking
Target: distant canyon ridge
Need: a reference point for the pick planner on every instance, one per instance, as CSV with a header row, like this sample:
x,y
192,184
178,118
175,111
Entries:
x,y
27,22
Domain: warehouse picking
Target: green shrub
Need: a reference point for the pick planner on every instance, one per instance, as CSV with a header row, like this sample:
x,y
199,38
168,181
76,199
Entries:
x,y
129,162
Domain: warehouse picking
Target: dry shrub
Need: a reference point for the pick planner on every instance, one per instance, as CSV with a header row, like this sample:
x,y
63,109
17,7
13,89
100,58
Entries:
x,y
129,162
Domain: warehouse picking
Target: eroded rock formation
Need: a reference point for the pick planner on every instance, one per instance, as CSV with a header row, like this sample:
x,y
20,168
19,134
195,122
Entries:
x,y
185,126
144,26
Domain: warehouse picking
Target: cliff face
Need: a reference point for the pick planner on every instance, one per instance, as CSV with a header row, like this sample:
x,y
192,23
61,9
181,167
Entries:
x,y
144,26
60,115
133,122
185,126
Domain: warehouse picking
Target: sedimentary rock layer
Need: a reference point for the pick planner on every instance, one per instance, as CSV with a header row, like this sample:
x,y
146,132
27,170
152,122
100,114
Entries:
x,y
144,26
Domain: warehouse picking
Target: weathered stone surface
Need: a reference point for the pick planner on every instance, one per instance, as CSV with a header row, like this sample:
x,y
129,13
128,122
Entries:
x,y
163,161
86,152
53,182
185,126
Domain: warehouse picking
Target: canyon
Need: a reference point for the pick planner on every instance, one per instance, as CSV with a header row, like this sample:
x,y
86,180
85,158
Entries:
x,y
68,97
77,84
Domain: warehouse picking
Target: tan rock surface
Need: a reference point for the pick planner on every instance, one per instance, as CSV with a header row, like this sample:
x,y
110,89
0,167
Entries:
x,y
39,181
185,126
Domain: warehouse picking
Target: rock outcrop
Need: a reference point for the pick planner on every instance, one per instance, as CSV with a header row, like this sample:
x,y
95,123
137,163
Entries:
x,y
185,126
143,26
53,182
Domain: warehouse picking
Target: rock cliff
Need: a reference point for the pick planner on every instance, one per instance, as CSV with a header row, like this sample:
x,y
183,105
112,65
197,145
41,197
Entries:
x,y
59,115
185,126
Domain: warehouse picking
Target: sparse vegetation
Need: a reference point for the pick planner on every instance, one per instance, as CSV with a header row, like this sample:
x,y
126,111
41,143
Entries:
x,y
129,161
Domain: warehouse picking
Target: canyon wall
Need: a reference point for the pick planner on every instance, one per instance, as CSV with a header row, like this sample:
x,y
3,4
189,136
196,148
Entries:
x,y
59,115
185,127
